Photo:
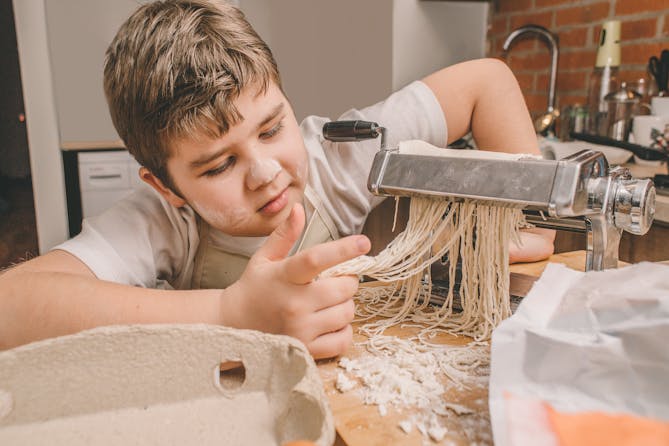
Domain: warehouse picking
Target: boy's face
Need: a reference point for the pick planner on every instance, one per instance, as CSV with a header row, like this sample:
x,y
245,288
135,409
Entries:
x,y
246,181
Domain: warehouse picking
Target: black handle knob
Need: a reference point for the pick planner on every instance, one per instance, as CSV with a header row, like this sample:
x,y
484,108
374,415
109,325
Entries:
x,y
350,130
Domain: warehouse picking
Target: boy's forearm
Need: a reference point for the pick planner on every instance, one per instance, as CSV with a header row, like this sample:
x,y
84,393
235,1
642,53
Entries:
x,y
39,305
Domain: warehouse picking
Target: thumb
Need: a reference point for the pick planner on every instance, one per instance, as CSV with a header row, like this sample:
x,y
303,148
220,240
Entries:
x,y
281,240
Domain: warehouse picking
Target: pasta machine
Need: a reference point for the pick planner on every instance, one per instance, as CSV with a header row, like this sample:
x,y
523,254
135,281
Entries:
x,y
580,193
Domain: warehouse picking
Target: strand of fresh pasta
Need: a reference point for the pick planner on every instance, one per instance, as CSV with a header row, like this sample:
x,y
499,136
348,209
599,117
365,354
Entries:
x,y
477,234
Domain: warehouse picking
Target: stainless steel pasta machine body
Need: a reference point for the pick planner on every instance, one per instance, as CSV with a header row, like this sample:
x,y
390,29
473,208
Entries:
x,y
579,193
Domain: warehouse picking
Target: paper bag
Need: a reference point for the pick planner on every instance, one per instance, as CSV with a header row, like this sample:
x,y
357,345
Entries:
x,y
596,341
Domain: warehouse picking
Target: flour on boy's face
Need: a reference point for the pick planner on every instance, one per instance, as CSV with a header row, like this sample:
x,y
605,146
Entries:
x,y
246,181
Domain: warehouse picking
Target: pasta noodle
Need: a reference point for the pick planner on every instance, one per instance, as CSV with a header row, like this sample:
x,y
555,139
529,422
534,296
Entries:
x,y
476,234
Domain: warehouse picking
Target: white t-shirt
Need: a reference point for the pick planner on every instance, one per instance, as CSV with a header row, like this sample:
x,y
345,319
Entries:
x,y
144,241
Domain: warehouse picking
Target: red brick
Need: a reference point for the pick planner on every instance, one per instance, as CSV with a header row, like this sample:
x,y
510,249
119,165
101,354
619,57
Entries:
x,y
632,75
640,52
513,5
572,80
575,37
500,25
638,29
536,102
537,61
526,81
665,30
545,3
491,47
637,6
582,14
578,59
544,19
496,46
542,81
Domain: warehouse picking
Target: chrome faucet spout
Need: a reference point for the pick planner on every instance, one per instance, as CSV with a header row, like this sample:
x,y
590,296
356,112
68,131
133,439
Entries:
x,y
552,41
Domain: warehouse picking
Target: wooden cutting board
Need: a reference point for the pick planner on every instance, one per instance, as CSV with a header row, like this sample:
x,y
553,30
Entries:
x,y
361,425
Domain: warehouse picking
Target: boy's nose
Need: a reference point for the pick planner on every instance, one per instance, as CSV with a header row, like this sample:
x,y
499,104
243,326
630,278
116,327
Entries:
x,y
262,172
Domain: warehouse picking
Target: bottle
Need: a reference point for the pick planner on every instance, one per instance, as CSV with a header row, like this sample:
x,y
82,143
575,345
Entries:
x,y
604,77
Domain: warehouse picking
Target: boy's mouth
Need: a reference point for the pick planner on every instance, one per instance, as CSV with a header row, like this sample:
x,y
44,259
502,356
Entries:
x,y
276,204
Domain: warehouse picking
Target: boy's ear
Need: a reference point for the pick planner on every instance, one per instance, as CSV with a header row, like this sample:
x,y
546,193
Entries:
x,y
167,193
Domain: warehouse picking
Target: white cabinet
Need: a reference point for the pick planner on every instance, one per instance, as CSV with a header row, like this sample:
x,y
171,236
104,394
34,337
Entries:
x,y
104,178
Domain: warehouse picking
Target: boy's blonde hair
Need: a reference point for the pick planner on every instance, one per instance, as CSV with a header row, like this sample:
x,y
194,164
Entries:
x,y
174,70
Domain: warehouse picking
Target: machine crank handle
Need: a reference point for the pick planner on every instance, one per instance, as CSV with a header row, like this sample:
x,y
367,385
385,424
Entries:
x,y
341,131
350,130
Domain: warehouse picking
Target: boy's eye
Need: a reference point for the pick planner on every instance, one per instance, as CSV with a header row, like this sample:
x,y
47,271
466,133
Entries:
x,y
229,161
273,131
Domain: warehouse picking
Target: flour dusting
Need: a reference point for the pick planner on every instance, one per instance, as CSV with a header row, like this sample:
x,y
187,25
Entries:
x,y
411,380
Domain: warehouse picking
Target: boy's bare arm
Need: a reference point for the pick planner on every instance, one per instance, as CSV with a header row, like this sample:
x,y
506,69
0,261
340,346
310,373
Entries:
x,y
56,294
483,96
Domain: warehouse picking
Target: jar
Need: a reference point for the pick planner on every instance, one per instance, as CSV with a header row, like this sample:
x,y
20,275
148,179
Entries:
x,y
622,105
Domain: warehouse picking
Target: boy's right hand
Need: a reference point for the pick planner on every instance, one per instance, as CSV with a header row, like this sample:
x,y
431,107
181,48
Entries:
x,y
284,295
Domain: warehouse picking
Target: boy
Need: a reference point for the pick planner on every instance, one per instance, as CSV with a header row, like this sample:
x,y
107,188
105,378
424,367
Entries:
x,y
196,96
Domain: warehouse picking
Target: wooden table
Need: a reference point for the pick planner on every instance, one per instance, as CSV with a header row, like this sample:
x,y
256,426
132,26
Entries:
x,y
362,425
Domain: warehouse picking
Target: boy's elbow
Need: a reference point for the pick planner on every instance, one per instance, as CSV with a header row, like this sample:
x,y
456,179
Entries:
x,y
8,316
497,73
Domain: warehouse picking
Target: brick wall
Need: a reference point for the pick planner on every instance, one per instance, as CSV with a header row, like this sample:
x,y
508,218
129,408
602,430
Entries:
x,y
644,32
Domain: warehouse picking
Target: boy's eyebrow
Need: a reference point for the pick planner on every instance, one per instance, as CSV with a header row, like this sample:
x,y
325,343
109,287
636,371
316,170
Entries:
x,y
206,158
273,114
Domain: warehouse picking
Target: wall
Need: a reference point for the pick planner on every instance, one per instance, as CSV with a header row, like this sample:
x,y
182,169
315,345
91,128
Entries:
x,y
429,35
644,32
334,56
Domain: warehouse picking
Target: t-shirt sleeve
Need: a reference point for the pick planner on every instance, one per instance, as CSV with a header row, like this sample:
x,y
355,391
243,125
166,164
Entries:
x,y
339,171
141,240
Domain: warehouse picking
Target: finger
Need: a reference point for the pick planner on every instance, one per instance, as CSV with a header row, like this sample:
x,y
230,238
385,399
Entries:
x,y
303,267
281,240
333,318
331,291
331,344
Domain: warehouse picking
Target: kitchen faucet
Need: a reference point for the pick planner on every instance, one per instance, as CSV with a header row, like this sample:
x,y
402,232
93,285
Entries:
x,y
545,123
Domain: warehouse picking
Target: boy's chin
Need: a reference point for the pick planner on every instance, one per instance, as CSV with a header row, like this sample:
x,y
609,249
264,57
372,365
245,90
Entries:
x,y
263,231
